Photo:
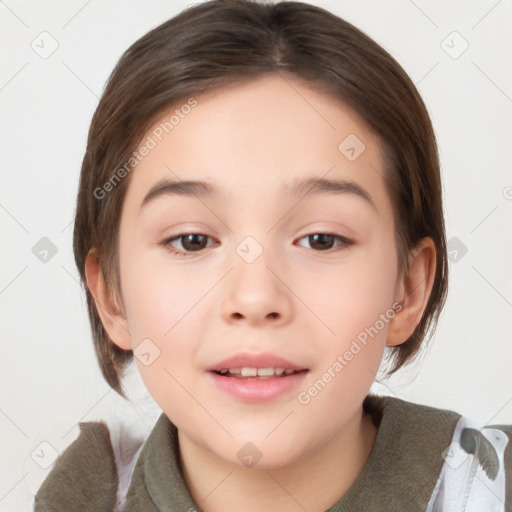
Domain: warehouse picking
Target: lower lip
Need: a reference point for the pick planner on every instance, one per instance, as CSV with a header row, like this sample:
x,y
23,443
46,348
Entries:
x,y
257,390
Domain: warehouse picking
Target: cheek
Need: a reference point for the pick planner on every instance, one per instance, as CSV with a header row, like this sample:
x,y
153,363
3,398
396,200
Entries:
x,y
157,295
352,296
161,302
357,306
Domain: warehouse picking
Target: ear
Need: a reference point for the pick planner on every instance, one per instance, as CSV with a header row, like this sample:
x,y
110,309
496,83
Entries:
x,y
413,292
111,315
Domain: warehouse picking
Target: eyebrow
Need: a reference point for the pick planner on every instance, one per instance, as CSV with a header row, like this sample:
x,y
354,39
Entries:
x,y
302,188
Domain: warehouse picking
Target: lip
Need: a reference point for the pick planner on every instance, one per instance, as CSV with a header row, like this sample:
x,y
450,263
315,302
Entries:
x,y
256,390
247,360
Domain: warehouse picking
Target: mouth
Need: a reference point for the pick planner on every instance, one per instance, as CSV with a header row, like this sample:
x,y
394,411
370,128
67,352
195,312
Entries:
x,y
257,378
255,366
248,373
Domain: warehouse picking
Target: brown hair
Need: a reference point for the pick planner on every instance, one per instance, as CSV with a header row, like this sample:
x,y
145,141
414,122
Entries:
x,y
225,41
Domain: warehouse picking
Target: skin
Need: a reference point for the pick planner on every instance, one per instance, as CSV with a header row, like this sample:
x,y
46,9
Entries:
x,y
296,300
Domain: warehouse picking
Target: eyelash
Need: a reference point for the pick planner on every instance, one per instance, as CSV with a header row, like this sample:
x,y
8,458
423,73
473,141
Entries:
x,y
344,243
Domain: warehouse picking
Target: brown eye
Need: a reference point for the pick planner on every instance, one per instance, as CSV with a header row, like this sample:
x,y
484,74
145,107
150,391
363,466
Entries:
x,y
326,241
190,242
193,242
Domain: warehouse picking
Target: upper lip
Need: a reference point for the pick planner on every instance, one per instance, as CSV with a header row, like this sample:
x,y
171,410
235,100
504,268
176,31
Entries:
x,y
247,360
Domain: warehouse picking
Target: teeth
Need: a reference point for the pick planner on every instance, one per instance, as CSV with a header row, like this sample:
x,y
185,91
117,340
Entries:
x,y
256,372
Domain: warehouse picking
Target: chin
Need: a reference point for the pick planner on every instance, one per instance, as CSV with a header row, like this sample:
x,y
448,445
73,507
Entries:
x,y
268,461
264,454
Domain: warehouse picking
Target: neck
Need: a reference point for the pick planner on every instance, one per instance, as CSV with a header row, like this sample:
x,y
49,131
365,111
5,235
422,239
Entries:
x,y
313,482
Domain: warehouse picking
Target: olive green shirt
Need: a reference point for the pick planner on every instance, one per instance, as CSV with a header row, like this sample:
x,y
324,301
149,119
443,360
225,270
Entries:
x,y
423,459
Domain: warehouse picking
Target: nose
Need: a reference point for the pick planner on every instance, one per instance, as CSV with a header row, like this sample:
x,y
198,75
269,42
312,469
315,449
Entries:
x,y
257,294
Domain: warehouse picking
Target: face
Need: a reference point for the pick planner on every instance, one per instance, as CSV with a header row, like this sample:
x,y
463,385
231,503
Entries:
x,y
259,273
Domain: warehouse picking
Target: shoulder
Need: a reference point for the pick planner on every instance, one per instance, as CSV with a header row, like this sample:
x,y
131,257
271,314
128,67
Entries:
x,y
94,472
83,476
409,421
477,470
464,465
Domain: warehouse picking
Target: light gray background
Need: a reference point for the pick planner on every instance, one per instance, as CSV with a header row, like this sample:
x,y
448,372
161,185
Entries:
x,y
50,378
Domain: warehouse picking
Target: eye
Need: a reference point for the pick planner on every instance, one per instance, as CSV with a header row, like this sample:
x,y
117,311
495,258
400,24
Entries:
x,y
196,242
324,241
191,242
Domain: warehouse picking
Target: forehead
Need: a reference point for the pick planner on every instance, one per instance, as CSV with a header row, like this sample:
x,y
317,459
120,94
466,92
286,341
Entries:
x,y
260,138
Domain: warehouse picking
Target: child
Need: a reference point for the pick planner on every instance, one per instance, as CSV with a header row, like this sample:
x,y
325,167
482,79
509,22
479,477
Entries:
x,y
302,157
